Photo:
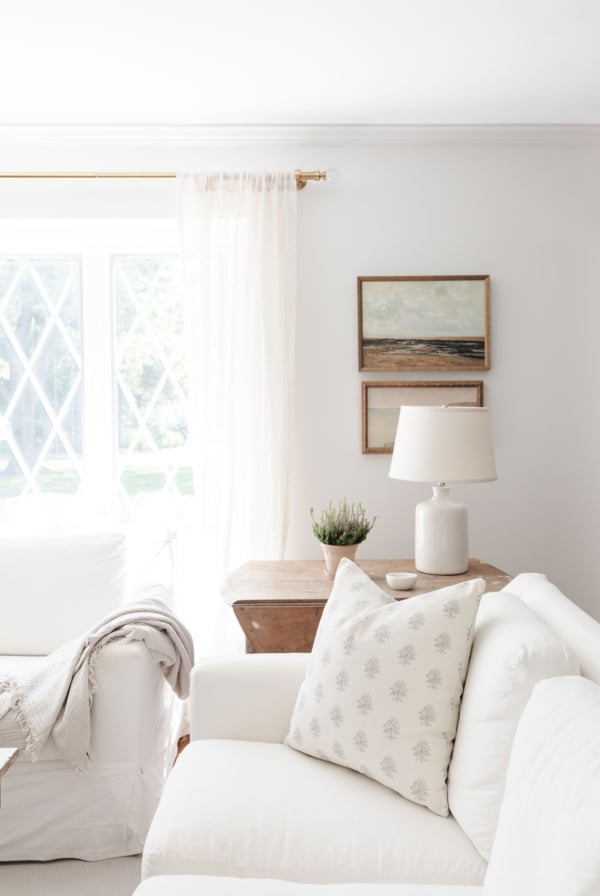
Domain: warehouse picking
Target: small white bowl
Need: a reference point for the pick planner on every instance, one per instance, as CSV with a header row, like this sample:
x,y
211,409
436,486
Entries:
x,y
401,581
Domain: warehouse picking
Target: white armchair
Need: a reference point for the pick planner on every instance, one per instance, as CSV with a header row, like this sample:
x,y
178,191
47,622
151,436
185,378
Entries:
x,y
54,588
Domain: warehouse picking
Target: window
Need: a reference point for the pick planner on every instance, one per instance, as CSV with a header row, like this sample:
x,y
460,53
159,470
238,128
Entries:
x,y
151,378
40,375
93,378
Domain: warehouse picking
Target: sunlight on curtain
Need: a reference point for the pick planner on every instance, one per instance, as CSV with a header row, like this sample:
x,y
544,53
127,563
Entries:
x,y
238,246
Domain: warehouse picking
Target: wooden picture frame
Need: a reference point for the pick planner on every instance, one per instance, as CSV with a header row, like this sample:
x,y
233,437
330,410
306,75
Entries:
x,y
424,323
381,403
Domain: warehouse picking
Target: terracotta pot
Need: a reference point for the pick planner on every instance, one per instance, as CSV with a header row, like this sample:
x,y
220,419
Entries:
x,y
333,554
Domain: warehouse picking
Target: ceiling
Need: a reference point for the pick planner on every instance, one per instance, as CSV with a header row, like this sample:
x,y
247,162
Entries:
x,y
321,62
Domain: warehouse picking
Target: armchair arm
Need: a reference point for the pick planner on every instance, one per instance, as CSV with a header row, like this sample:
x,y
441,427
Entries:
x,y
133,711
246,697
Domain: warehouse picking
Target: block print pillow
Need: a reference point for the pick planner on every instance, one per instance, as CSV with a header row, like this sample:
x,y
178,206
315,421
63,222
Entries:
x,y
384,681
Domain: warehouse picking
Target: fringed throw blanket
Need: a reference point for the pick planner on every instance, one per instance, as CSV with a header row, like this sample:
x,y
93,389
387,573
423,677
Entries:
x,y
56,697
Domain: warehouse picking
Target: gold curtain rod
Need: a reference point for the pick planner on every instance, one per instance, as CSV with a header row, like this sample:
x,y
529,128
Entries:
x,y
302,177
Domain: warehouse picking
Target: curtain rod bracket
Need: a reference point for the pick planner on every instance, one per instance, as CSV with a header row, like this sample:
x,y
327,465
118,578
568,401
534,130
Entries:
x,y
302,177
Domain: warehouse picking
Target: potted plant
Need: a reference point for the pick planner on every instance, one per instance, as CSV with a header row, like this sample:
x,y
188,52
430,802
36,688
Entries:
x,y
340,529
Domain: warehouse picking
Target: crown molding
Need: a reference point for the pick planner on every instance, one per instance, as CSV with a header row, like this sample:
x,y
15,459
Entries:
x,y
315,135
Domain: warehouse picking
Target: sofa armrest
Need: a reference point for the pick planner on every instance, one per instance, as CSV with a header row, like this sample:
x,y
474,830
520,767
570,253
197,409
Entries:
x,y
247,697
134,711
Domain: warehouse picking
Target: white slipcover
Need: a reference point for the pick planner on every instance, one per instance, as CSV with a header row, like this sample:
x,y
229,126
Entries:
x,y
513,649
548,837
56,586
262,810
236,807
48,811
229,694
572,624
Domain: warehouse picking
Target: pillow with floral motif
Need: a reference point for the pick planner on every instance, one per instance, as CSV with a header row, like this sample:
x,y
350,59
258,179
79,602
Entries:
x,y
384,681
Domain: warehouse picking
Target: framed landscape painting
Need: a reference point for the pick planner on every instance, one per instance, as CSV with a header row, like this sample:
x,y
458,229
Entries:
x,y
381,403
424,323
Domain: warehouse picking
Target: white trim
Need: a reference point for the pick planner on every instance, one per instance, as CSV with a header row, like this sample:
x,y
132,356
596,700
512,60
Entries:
x,y
63,236
316,135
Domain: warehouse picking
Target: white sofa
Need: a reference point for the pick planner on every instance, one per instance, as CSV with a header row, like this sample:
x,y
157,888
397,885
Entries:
x,y
250,815
55,587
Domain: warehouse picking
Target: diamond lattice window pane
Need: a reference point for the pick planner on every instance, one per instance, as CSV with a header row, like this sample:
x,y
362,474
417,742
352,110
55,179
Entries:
x,y
40,375
25,311
11,372
151,378
59,475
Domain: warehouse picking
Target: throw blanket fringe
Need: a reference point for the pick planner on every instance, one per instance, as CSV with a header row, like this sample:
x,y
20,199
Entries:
x,y
55,698
31,743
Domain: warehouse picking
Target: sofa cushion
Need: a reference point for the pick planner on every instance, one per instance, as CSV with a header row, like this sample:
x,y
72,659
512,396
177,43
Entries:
x,y
512,650
247,809
384,682
548,837
579,631
192,885
55,586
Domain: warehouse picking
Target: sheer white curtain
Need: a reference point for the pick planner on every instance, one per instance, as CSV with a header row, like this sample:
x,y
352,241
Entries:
x,y
238,245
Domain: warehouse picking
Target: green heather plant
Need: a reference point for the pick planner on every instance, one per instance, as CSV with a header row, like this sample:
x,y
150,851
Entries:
x,y
342,525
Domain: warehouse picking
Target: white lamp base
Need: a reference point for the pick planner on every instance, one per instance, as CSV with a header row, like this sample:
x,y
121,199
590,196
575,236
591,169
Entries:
x,y
441,539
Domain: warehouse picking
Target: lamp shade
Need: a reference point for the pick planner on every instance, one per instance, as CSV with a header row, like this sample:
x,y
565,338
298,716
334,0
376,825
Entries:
x,y
443,444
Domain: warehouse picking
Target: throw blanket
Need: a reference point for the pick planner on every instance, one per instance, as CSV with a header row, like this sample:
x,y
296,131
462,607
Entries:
x,y
56,698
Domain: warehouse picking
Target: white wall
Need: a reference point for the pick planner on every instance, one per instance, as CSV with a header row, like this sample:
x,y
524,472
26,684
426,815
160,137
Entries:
x,y
529,215
526,210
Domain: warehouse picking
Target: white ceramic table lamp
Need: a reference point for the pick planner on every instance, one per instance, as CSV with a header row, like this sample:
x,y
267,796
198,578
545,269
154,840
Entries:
x,y
441,445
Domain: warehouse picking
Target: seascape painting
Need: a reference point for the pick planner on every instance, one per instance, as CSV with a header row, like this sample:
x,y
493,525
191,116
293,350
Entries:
x,y
381,403
423,323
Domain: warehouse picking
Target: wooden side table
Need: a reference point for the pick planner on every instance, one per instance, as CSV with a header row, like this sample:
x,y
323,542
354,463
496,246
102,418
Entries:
x,y
278,603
